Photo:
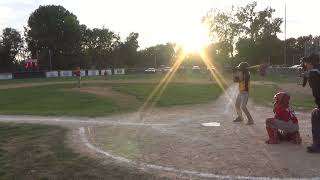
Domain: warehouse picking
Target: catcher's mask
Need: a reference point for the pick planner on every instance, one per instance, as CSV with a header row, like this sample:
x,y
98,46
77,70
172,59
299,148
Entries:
x,y
281,98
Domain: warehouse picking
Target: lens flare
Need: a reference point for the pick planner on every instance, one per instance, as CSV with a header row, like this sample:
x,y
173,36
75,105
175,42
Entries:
x,y
159,89
157,92
214,72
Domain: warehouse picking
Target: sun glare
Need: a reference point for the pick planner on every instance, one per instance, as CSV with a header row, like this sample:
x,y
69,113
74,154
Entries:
x,y
194,44
195,41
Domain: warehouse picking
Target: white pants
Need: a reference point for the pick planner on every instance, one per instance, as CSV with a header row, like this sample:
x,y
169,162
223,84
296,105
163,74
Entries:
x,y
285,126
241,105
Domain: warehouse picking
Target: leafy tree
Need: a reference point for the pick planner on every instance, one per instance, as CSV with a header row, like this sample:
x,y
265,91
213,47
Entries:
x,y
252,32
128,50
256,24
258,42
56,30
161,54
224,28
10,44
98,46
302,42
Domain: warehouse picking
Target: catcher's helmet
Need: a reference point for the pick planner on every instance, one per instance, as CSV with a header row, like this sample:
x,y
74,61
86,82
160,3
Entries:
x,y
243,66
281,98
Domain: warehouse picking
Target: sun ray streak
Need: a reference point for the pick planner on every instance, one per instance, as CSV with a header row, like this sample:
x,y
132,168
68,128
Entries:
x,y
175,68
159,89
216,74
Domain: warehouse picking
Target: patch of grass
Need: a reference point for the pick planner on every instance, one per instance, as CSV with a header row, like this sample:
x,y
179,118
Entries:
x,y
54,100
156,77
36,80
39,152
174,94
86,78
121,141
263,94
302,102
57,100
277,78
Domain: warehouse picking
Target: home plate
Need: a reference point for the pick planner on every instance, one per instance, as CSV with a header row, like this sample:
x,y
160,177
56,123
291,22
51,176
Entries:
x,y
214,124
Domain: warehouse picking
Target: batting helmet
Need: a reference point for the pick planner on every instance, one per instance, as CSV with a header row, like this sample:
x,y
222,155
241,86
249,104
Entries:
x,y
243,66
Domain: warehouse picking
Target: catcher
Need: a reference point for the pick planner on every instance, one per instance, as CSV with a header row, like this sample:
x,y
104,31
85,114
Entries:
x,y
284,125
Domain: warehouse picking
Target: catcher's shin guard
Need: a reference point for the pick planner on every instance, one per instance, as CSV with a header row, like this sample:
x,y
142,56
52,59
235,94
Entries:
x,y
295,137
273,136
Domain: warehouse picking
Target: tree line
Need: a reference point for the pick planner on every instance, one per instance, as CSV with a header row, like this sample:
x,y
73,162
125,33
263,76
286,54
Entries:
x,y
246,33
56,38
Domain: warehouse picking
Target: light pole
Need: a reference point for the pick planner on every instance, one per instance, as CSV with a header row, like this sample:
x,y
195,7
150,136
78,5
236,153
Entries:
x,y
50,60
155,60
285,34
305,49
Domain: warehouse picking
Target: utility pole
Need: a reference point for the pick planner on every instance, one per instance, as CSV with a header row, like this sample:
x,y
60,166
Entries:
x,y
292,59
318,48
155,61
50,60
285,34
305,49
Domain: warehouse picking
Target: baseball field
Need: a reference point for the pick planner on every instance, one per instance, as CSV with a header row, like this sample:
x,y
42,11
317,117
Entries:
x,y
129,127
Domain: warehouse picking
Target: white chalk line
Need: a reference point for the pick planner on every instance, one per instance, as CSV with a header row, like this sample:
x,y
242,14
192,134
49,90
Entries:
x,y
58,120
85,140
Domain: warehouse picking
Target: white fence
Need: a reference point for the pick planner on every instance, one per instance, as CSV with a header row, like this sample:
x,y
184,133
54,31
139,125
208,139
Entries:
x,y
52,74
83,73
6,76
93,72
106,72
119,71
65,73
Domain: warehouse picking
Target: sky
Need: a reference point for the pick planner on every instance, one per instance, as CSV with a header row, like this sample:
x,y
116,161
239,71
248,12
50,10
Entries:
x,y
161,21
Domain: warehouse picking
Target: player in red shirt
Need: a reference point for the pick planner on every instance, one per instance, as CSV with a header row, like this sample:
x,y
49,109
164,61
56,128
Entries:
x,y
77,73
284,125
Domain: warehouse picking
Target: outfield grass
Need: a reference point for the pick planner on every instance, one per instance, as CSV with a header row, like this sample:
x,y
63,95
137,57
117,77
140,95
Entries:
x,y
36,80
174,94
263,94
277,78
40,152
55,100
62,79
59,100
155,77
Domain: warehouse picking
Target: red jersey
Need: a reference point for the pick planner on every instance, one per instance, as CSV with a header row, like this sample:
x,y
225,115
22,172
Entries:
x,y
285,114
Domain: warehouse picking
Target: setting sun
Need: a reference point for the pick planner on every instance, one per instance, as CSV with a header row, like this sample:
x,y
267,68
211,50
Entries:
x,y
195,40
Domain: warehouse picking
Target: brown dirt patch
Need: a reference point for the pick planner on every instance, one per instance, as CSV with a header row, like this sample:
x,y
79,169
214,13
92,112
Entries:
x,y
122,99
232,149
